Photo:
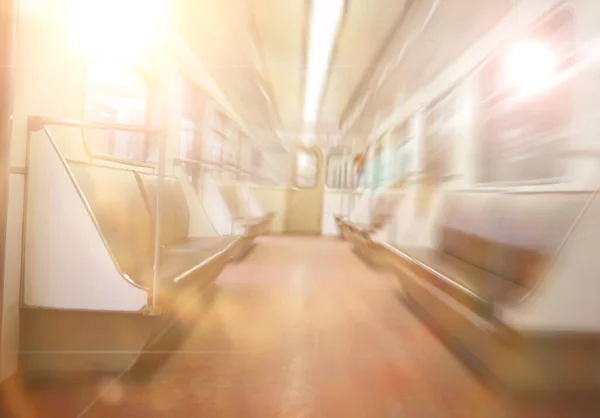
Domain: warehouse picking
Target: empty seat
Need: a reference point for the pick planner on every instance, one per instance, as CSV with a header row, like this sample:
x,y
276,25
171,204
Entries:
x,y
493,250
124,203
373,216
254,225
381,209
116,201
181,255
175,217
252,204
174,212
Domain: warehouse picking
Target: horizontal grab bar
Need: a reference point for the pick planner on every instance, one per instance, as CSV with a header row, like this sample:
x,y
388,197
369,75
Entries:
x,y
214,164
208,165
37,123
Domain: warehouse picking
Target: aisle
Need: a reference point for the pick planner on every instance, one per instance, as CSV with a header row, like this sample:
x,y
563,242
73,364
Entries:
x,y
301,328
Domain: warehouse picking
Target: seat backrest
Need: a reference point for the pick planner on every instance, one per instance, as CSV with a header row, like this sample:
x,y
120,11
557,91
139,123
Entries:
x,y
252,204
466,228
531,229
383,208
512,235
174,211
230,196
119,207
360,212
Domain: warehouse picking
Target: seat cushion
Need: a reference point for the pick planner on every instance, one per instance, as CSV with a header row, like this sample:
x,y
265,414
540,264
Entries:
x,y
200,244
473,287
182,258
383,208
176,264
250,220
174,211
359,227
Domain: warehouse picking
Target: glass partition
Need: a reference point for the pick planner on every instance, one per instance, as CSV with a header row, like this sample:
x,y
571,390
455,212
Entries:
x,y
340,171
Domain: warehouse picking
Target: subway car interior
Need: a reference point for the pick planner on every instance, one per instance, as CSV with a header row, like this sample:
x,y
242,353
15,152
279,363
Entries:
x,y
300,208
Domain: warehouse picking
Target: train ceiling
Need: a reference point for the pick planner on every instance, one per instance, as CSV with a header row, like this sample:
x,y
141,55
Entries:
x,y
256,51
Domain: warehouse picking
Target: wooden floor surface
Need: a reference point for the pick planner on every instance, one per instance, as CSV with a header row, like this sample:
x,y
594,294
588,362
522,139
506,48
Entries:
x,y
300,328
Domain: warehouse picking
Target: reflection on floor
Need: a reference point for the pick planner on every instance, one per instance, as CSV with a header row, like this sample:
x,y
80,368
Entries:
x,y
301,328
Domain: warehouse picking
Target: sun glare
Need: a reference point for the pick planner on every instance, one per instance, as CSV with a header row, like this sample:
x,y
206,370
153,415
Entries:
x,y
117,28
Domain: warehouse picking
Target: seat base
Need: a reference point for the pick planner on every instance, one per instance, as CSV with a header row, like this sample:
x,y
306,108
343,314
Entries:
x,y
474,288
61,340
527,362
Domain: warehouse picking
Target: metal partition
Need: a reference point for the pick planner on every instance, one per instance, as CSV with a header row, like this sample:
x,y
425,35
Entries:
x,y
69,153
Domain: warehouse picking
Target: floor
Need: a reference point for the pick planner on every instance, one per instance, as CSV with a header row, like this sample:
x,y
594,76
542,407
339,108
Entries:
x,y
301,328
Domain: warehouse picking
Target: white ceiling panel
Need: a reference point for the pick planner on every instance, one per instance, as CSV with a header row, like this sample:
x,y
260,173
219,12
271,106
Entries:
x,y
366,27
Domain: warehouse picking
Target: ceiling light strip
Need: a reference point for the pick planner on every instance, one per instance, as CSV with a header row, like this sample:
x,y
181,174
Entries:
x,y
325,20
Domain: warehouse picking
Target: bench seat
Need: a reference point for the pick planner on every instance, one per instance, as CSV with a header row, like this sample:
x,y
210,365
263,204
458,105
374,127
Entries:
x,y
181,261
491,251
382,210
124,203
253,225
475,288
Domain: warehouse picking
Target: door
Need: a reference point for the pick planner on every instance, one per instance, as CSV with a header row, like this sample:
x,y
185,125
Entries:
x,y
305,198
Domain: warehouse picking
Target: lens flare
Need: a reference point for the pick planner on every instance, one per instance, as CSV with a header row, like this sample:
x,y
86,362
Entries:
x,y
529,67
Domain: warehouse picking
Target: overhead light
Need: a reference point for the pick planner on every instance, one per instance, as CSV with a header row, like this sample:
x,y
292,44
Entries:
x,y
325,19
530,67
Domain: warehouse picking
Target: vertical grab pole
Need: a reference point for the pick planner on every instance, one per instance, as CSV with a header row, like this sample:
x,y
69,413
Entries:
x,y
162,148
353,173
344,181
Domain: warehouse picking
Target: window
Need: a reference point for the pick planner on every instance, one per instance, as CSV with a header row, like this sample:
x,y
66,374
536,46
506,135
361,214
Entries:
x,y
217,148
256,161
402,162
116,95
440,136
192,118
340,171
186,139
229,154
307,168
398,160
521,139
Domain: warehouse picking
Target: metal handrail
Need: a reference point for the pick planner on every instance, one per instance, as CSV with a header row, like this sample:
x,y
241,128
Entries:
x,y
207,165
38,123
41,124
216,164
